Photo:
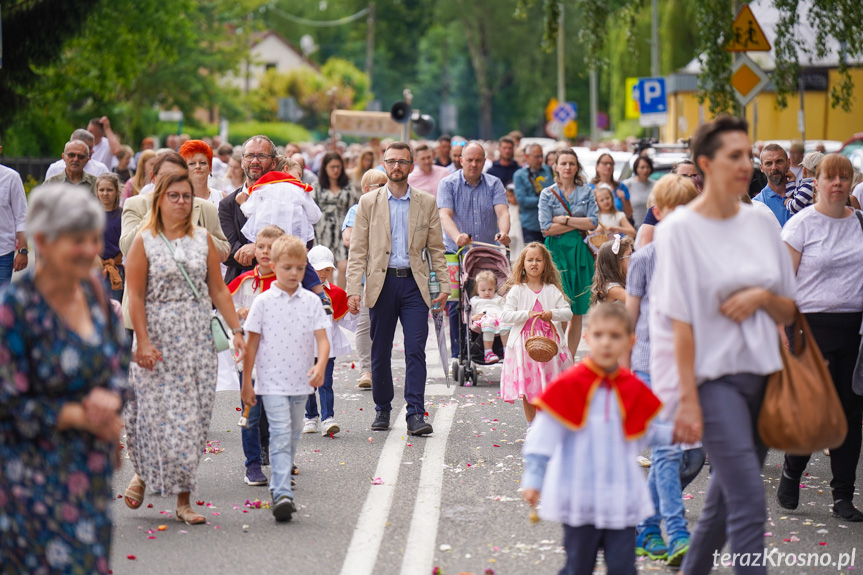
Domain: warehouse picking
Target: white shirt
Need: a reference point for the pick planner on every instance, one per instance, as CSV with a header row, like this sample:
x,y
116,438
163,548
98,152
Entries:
x,y
857,192
93,167
762,207
219,169
493,306
13,209
829,277
700,263
287,324
102,152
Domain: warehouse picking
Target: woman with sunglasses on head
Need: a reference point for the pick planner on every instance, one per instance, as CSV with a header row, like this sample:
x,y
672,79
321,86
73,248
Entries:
x,y
640,185
335,196
173,281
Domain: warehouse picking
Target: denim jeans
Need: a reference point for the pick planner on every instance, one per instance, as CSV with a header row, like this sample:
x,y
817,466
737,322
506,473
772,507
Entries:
x,y
326,393
256,436
668,475
6,263
285,413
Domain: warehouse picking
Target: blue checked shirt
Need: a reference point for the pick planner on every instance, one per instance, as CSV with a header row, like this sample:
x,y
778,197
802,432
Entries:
x,y
640,274
472,207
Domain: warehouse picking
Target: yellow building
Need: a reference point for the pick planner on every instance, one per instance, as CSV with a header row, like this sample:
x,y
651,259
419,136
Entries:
x,y
767,122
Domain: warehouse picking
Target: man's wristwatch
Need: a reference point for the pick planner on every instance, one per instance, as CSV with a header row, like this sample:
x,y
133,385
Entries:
x,y
23,251
238,330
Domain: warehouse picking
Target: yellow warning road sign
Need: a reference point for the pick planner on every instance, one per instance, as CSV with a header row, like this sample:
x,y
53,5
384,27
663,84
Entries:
x,y
748,35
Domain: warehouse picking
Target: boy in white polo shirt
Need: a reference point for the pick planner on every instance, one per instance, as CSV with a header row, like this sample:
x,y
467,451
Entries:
x,y
284,325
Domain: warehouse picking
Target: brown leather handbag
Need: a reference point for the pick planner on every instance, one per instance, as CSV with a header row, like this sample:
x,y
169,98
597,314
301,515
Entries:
x,y
801,413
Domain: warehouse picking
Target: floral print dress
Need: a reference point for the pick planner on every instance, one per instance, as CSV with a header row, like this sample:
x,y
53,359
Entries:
x,y
167,424
334,208
55,486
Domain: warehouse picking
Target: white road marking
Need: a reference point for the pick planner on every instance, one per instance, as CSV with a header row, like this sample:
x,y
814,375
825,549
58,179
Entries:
x,y
418,556
366,542
440,389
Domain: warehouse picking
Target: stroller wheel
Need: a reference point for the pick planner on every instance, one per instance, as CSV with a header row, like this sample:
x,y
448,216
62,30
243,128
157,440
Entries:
x,y
453,370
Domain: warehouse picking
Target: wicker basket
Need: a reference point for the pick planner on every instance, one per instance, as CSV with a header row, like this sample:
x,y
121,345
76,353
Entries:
x,y
598,239
539,347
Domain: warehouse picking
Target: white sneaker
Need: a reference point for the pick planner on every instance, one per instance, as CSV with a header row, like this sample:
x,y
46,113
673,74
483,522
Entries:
x,y
310,425
329,427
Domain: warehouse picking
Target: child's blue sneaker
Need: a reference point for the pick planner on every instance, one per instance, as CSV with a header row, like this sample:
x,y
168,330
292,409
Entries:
x,y
650,543
677,551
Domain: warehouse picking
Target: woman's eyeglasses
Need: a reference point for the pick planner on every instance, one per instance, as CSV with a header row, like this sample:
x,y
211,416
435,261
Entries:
x,y
176,197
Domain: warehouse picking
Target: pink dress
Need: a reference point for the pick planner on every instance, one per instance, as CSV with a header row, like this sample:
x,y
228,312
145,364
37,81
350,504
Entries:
x,y
524,377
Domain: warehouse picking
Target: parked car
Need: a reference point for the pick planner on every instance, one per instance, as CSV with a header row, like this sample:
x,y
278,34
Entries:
x,y
853,149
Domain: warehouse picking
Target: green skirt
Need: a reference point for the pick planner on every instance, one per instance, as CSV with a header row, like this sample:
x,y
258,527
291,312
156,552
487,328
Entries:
x,y
572,257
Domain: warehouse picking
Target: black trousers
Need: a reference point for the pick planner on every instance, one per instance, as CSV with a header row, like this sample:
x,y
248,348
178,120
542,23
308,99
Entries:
x,y
838,336
583,542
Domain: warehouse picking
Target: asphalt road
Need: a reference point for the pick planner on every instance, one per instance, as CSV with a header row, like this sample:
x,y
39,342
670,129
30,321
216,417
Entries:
x,y
384,503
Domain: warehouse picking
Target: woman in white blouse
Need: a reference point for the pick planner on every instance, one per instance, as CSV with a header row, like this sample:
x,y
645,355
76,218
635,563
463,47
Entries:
x,y
724,281
824,241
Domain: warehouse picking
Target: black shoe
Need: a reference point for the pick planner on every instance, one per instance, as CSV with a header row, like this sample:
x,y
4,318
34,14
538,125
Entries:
x,y
265,456
417,425
844,509
788,493
382,421
295,470
283,508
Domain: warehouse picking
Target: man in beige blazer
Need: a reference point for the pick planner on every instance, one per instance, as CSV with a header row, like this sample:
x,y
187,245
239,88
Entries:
x,y
392,228
136,209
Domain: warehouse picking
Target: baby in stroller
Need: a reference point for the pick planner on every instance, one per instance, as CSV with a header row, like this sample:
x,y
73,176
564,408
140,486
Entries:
x,y
487,307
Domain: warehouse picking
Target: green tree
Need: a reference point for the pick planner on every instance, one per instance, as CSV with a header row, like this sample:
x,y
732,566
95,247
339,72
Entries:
x,y
832,19
339,83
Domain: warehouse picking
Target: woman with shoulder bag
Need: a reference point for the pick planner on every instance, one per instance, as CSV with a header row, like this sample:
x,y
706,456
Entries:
x,y
824,242
173,280
723,282
567,211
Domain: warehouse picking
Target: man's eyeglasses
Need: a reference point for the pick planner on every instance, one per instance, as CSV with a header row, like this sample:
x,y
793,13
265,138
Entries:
x,y
176,197
259,157
459,144
402,163
73,155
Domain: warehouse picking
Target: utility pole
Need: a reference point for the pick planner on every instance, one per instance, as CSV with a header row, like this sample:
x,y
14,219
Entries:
x,y
370,44
561,77
594,130
654,48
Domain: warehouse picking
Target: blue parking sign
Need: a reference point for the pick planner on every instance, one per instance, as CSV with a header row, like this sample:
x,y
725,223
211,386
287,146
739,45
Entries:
x,y
651,96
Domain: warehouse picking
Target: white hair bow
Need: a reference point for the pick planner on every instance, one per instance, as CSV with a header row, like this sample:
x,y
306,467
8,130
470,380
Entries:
x,y
615,248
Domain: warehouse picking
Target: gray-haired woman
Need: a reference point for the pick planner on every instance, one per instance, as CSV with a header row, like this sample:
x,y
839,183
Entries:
x,y
63,363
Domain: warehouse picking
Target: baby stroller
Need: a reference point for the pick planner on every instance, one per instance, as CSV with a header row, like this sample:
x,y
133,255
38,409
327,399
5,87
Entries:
x,y
470,263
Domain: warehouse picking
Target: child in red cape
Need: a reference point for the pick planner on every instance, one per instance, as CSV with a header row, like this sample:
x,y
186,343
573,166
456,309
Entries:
x,y
581,451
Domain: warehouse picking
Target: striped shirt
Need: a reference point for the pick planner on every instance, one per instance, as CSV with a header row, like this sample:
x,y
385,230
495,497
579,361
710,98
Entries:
x,y
799,196
638,279
472,206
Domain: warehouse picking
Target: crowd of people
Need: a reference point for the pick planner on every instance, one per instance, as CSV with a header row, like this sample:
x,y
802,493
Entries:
x,y
150,264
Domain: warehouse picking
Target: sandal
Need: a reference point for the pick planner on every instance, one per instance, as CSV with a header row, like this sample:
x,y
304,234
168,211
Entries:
x,y
134,495
189,517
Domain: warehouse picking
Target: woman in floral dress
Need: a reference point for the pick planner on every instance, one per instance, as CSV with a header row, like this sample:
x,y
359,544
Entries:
x,y
63,363
335,197
175,375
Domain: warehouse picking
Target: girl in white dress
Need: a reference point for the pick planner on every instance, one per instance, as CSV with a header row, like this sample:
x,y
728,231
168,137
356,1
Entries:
x,y
613,220
594,420
487,308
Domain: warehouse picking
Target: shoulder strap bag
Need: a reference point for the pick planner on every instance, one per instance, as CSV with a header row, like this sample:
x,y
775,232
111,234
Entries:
x,y
221,341
801,412
857,380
